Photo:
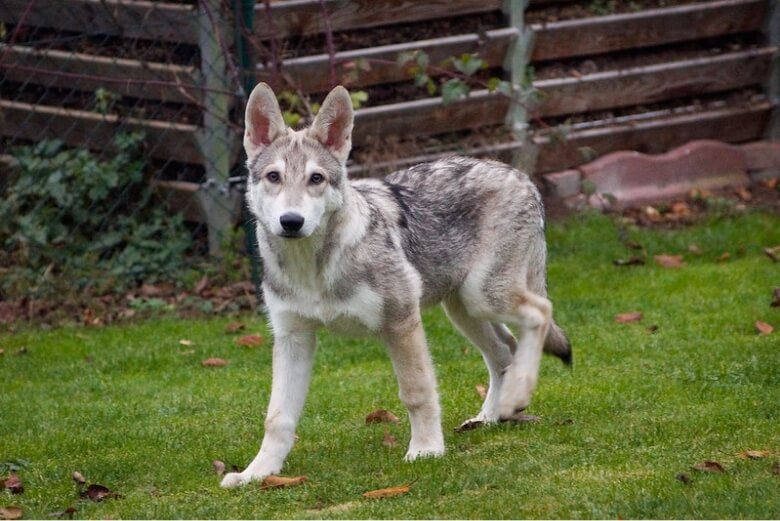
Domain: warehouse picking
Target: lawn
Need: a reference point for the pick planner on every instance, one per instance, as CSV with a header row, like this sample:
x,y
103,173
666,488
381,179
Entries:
x,y
131,408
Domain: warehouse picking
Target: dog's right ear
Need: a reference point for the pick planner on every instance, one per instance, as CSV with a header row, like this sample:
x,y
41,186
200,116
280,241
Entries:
x,y
263,120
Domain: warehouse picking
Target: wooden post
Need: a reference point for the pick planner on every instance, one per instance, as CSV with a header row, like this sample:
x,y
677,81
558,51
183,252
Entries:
x,y
772,29
215,138
516,63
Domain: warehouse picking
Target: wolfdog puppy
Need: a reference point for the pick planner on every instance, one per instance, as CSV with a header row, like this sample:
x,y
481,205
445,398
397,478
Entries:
x,y
363,257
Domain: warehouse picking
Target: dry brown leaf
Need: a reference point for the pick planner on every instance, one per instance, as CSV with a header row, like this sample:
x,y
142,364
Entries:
x,y
723,257
234,327
753,454
694,248
98,493
388,440
631,316
68,512
218,467
776,468
634,260
388,492
681,209
10,512
763,328
214,362
669,261
249,340
709,466
78,477
281,482
773,253
775,302
743,193
381,416
685,478
481,390
185,342
201,285
13,484
653,214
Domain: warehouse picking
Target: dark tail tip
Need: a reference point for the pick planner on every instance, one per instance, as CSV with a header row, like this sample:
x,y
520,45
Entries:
x,y
557,344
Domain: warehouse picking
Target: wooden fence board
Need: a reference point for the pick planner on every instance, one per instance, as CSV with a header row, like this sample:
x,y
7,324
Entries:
x,y
429,116
129,18
52,68
649,135
601,34
298,17
647,84
166,140
306,73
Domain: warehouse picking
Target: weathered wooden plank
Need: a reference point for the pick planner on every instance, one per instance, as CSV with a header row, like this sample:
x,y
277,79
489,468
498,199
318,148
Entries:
x,y
308,72
649,135
52,68
129,18
181,197
601,34
297,17
175,141
430,116
658,82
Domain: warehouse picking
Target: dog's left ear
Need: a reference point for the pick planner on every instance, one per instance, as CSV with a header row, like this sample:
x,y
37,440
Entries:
x,y
333,125
263,120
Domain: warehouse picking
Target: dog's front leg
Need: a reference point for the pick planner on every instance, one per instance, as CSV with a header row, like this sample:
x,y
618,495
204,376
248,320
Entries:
x,y
417,386
293,355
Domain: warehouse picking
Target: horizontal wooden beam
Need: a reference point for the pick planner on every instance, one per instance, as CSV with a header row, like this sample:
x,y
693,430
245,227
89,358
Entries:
x,y
309,73
650,133
300,17
181,197
145,19
429,116
175,141
600,34
133,78
652,83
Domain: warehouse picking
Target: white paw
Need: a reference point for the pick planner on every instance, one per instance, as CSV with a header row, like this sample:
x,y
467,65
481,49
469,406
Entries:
x,y
237,479
514,397
426,452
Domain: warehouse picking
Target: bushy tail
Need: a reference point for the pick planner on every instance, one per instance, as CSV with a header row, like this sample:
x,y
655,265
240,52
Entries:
x,y
557,343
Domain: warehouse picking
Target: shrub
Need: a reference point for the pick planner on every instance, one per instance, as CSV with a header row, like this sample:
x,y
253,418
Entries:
x,y
74,219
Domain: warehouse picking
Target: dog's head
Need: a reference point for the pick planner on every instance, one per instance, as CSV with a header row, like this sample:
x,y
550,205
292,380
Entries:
x,y
296,179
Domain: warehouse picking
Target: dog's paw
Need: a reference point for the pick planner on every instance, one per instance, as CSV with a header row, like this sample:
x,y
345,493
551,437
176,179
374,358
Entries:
x,y
419,453
515,396
236,479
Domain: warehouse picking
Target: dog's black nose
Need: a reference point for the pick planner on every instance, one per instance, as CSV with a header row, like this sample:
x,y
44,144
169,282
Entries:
x,y
291,222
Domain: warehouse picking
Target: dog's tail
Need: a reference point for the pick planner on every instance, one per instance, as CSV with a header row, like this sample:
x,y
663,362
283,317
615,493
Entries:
x,y
557,343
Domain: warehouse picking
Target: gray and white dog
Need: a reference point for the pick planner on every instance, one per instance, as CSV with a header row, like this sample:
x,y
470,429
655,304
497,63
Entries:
x,y
363,257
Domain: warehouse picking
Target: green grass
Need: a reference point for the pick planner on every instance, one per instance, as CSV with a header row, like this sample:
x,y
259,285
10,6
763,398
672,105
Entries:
x,y
132,409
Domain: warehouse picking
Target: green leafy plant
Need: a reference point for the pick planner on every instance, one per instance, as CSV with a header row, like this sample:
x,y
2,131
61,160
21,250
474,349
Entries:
x,y
105,100
73,218
296,109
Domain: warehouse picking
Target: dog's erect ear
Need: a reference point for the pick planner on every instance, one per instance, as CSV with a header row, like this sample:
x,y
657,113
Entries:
x,y
333,125
263,120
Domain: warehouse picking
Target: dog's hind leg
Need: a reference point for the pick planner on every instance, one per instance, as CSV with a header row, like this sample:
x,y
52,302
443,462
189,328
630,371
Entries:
x,y
497,345
417,386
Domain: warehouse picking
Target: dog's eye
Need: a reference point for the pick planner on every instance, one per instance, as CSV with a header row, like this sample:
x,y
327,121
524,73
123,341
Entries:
x,y
316,178
273,177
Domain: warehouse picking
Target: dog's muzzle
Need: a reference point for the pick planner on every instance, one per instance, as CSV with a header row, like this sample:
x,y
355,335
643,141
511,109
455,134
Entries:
x,y
291,224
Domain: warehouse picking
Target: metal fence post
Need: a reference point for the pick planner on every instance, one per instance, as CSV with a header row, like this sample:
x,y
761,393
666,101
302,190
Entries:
x,y
516,62
216,141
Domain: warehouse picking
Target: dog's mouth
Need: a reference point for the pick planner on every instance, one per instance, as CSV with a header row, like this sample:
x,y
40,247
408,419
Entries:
x,y
291,235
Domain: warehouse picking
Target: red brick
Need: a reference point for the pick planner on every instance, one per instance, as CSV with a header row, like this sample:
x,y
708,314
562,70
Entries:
x,y
634,178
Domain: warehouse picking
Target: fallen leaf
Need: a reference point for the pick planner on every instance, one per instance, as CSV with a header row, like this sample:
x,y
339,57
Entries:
x,y
78,478
685,478
634,245
234,327
753,454
185,342
776,468
724,257
249,340
381,416
763,328
388,492
743,193
773,253
201,285
681,209
775,301
13,484
469,425
694,248
653,214
10,512
631,316
218,467
68,512
634,260
481,390
281,482
709,466
389,440
98,493
214,362
669,261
